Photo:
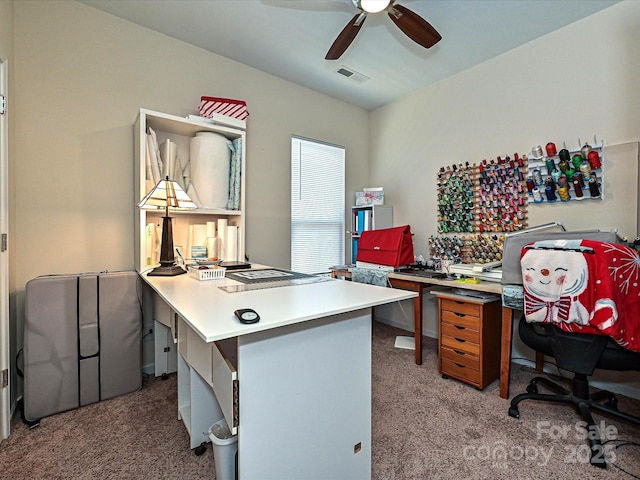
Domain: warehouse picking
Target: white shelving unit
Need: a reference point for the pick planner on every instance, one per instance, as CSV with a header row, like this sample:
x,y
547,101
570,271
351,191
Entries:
x,y
180,131
368,217
173,341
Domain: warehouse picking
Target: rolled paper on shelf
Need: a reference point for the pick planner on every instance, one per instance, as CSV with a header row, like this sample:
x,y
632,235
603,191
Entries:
x,y
211,229
222,237
212,247
200,235
210,167
231,250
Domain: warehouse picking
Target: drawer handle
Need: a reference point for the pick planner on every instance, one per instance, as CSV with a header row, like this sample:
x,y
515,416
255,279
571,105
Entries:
x,y
459,314
460,366
460,302
459,340
459,352
459,327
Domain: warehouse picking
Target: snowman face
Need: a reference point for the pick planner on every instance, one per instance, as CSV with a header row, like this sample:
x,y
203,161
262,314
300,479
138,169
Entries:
x,y
550,274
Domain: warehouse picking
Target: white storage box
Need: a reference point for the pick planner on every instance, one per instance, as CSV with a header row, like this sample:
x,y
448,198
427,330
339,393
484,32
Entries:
x,y
208,273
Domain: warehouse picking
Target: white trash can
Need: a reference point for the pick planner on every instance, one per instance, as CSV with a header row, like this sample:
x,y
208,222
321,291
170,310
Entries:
x,y
225,448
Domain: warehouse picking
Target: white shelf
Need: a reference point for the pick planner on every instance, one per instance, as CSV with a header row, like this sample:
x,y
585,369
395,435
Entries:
x,y
180,131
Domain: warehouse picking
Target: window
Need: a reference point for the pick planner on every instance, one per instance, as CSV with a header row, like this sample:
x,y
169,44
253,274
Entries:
x,y
317,206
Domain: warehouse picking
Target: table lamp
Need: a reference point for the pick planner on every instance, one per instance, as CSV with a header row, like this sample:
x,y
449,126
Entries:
x,y
167,193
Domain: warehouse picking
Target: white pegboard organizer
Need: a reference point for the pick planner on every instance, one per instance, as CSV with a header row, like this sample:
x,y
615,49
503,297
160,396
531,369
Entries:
x,y
539,163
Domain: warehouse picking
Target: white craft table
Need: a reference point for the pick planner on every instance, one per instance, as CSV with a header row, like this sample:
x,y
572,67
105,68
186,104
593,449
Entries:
x,y
296,387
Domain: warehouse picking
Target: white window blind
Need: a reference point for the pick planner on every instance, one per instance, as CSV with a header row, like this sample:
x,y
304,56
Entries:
x,y
317,206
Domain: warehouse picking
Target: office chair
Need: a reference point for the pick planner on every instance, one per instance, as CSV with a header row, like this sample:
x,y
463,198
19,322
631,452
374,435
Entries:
x,y
582,328
580,354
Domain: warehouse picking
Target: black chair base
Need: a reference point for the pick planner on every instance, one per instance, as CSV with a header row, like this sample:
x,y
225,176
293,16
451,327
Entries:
x,y
584,404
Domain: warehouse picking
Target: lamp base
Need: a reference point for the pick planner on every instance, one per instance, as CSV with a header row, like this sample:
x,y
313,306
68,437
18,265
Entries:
x,y
166,271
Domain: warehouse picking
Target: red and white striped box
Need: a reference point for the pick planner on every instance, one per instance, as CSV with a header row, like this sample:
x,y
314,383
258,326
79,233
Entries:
x,y
223,106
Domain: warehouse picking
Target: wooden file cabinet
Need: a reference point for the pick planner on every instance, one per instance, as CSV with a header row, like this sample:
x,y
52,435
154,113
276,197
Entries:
x,y
469,338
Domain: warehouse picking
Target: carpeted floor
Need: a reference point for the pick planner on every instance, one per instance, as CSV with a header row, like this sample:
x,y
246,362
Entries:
x,y
424,427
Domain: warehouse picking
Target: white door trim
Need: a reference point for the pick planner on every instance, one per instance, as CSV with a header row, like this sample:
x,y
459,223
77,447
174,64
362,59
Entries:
x,y
5,400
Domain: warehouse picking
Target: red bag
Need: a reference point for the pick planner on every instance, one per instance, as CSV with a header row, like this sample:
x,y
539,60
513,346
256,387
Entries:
x,y
389,246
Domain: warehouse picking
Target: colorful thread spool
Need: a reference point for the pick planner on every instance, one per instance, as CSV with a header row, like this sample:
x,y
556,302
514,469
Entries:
x,y
563,192
551,165
577,177
577,188
549,192
594,188
594,159
585,169
537,196
551,149
537,151
537,176
530,184
577,161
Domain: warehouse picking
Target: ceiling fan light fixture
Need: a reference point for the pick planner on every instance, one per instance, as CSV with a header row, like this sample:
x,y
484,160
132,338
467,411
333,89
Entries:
x,y
373,6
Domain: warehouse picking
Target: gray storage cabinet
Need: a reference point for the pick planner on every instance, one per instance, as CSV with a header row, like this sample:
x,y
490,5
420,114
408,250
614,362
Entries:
x,y
82,340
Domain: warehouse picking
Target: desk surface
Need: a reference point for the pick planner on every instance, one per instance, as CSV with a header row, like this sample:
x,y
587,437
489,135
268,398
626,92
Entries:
x,y
209,310
483,286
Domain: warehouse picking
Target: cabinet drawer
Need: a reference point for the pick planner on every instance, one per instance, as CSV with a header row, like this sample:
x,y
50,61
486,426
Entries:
x,y
459,332
225,380
461,357
459,306
460,319
162,312
461,372
460,344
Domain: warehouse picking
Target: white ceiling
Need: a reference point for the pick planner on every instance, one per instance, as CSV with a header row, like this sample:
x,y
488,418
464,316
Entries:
x,y
289,38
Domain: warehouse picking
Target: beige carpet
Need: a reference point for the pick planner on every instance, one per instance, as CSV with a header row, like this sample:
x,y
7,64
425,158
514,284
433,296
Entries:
x,y
424,427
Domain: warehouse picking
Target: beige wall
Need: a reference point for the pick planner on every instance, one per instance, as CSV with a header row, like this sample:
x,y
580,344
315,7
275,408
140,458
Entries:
x,y
577,82
82,76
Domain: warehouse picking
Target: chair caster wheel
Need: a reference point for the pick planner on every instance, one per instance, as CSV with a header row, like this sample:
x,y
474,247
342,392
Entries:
x,y
164,376
532,388
514,412
199,450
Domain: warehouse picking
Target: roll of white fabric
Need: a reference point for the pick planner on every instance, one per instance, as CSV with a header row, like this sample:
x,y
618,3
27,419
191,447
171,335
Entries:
x,y
209,169
211,229
212,247
200,235
232,243
222,238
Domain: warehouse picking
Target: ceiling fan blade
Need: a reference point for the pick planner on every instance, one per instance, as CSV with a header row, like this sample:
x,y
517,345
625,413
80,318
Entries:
x,y
414,26
348,33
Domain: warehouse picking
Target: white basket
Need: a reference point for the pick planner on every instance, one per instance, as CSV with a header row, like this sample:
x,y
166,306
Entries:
x,y
208,274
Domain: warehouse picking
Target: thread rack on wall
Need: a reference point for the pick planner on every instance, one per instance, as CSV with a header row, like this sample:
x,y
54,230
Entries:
x,y
489,197
569,174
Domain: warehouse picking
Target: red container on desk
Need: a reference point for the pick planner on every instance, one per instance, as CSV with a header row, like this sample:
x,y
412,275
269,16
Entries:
x,y
388,246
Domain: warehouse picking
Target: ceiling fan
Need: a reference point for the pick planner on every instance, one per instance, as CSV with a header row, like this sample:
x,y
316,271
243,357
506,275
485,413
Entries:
x,y
411,24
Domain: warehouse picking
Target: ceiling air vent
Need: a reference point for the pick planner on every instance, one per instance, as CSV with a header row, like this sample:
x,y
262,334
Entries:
x,y
351,74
